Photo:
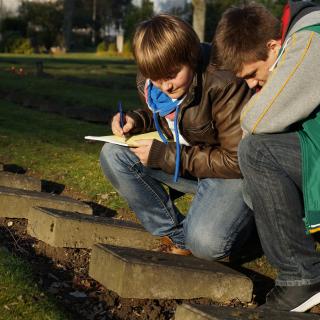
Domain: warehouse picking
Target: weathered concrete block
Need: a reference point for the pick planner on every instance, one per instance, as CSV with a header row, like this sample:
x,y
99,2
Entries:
x,y
68,229
19,181
134,273
202,312
17,203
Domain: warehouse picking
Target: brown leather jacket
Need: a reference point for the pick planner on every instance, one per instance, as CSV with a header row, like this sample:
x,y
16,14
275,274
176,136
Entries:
x,y
209,120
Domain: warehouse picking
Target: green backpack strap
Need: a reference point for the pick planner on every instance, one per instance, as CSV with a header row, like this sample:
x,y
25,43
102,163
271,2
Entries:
x,y
310,145
314,28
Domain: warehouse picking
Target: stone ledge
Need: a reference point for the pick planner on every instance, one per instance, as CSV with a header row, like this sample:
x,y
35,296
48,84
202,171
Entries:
x,y
203,312
68,229
19,181
134,273
17,203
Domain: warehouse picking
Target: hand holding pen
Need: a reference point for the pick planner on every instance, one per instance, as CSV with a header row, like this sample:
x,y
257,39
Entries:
x,y
121,123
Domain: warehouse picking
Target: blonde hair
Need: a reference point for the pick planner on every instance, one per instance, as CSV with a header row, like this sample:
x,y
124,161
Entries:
x,y
163,44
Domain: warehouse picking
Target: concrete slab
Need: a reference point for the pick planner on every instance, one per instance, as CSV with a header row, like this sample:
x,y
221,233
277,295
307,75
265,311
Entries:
x,y
202,312
134,273
19,181
17,203
68,229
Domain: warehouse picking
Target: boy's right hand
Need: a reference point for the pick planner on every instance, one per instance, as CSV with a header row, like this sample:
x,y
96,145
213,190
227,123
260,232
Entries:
x,y
116,128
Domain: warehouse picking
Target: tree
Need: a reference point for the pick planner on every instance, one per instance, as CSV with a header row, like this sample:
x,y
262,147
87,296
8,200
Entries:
x,y
44,21
199,17
136,15
68,11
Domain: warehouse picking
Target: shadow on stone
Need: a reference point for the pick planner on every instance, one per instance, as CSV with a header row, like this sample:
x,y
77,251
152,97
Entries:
x,y
101,211
52,187
14,168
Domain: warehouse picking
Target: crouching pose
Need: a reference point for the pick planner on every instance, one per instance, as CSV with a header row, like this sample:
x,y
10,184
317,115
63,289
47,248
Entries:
x,y
279,158
196,111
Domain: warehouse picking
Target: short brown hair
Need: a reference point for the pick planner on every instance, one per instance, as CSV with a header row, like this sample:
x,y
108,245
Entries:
x,y
163,44
242,36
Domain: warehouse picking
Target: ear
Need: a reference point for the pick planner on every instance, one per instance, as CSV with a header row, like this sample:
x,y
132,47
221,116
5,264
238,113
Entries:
x,y
274,45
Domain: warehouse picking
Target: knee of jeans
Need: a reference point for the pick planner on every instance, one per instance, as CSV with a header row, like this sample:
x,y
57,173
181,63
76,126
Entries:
x,y
207,246
111,154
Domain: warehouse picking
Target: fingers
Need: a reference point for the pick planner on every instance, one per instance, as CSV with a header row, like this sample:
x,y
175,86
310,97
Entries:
x,y
142,150
116,127
129,124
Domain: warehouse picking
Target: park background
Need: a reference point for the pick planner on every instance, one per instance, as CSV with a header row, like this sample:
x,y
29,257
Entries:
x,y
64,65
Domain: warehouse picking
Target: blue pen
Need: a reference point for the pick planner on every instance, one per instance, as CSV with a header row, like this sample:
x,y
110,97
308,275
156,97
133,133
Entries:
x,y
121,114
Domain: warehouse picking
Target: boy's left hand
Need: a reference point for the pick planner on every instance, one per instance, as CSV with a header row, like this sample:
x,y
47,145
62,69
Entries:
x,y
142,150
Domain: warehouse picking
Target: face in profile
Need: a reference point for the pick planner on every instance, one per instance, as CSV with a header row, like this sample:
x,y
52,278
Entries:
x,y
177,85
256,73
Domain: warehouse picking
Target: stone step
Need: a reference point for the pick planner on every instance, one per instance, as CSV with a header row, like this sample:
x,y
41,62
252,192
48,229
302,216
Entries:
x,y
68,229
204,312
135,273
17,203
19,181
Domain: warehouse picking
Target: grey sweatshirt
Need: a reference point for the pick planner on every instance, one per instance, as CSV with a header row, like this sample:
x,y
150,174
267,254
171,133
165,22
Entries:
x,y
292,90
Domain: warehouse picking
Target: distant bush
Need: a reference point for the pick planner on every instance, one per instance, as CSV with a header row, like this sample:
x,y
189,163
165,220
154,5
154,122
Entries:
x,y
102,47
127,49
112,49
20,45
13,42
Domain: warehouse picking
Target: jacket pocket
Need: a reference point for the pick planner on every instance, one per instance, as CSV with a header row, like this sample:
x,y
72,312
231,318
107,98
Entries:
x,y
201,134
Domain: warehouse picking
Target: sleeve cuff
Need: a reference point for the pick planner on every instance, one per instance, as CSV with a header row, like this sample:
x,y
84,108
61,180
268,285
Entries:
x,y
157,151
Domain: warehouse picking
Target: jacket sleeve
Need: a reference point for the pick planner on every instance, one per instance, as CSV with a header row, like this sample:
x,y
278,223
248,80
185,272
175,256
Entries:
x,y
292,90
214,161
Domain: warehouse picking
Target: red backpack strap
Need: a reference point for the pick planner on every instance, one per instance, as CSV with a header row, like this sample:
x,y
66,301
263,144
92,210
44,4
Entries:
x,y
286,16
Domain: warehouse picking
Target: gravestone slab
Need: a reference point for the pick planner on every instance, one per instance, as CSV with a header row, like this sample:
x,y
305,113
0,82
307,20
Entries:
x,y
134,273
203,312
68,229
17,203
19,181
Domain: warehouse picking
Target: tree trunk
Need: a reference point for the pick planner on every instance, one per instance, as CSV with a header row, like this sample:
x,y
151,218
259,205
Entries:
x,y
68,9
199,17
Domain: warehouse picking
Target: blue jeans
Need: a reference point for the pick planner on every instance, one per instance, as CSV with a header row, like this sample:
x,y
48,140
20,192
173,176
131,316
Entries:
x,y
271,165
217,222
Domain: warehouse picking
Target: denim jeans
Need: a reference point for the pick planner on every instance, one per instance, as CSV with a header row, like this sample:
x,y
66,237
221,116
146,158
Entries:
x,y
217,222
271,165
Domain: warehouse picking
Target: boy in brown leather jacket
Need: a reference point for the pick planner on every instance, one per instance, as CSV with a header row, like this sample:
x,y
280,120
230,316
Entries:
x,y
197,107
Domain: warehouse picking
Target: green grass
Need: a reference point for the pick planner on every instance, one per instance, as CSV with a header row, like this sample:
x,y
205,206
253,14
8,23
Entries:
x,y
20,297
54,148
82,80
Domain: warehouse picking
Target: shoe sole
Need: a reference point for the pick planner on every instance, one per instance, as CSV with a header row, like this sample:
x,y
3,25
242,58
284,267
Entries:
x,y
313,301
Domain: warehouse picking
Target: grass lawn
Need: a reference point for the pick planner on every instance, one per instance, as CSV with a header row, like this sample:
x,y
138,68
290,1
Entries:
x,y
20,297
82,80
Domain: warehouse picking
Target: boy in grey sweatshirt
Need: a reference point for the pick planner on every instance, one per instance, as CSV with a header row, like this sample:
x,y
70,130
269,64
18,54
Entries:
x,y
279,155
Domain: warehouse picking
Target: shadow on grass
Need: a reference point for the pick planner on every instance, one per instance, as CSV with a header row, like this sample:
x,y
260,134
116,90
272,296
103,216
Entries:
x,y
52,187
101,211
14,168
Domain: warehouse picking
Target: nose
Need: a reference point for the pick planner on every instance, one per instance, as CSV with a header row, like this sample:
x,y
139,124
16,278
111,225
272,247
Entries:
x,y
252,83
166,86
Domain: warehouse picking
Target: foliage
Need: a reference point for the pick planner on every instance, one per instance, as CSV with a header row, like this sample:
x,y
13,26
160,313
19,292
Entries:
x,y
15,24
20,297
20,45
44,22
14,43
102,47
135,16
127,47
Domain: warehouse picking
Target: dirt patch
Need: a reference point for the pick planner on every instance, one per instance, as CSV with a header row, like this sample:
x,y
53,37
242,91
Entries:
x,y
63,272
